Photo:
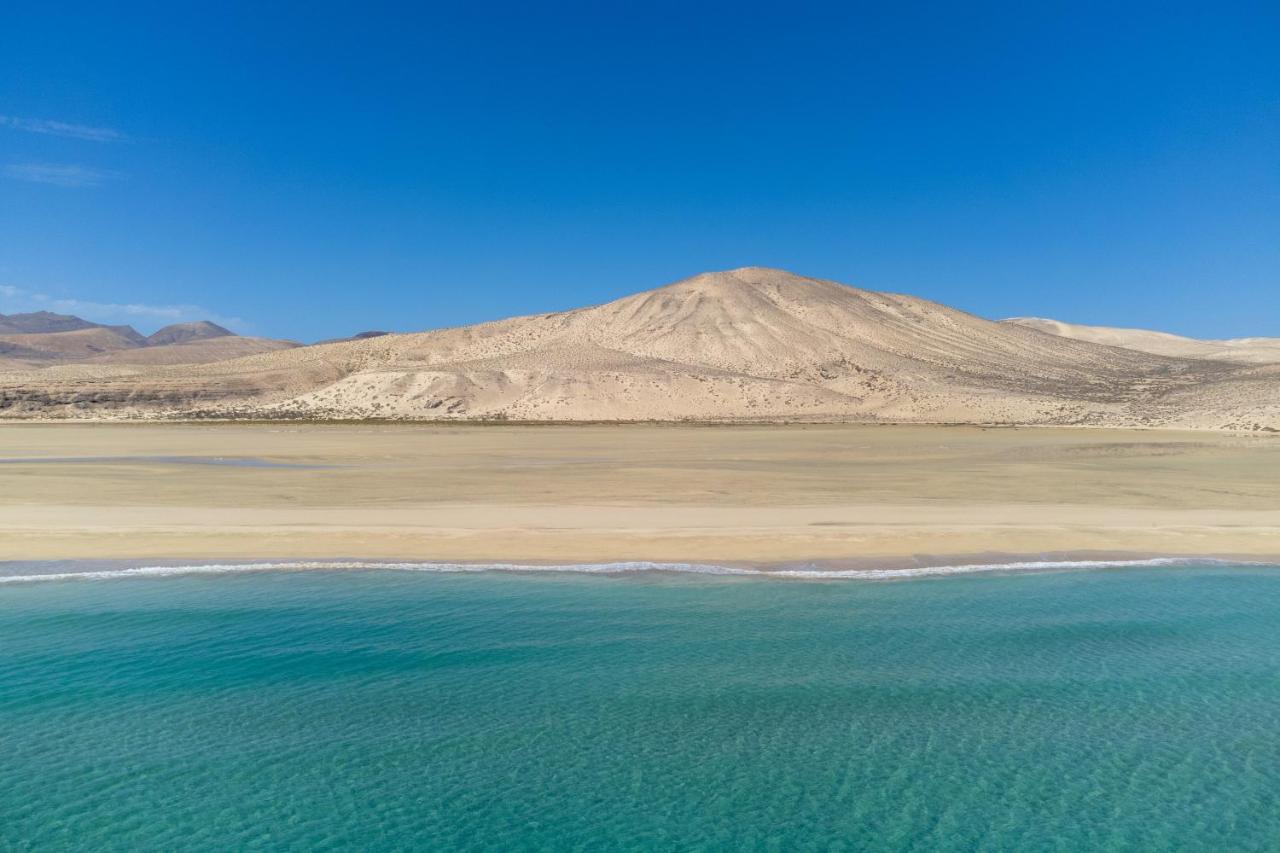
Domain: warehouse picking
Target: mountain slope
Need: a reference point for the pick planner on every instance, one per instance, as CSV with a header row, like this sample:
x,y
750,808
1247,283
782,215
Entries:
x,y
748,344
358,336
73,345
194,351
1241,350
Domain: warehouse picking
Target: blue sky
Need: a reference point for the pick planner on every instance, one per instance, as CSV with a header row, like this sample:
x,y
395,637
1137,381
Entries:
x,y
318,170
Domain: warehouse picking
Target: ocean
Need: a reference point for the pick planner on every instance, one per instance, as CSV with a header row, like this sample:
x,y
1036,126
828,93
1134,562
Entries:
x,y
1123,708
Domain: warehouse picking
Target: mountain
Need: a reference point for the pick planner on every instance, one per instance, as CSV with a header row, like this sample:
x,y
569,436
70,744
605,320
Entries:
x,y
73,345
751,344
1242,350
47,322
43,339
181,333
40,322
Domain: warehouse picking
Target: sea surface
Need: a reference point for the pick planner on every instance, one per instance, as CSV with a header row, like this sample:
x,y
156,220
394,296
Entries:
x,y
1129,708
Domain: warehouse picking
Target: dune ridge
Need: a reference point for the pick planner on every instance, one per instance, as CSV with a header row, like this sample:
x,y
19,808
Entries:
x,y
1241,350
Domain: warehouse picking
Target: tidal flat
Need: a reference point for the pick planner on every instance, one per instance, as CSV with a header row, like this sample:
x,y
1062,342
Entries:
x,y
826,495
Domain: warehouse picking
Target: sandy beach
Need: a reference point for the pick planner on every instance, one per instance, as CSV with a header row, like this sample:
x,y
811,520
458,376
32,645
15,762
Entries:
x,y
874,495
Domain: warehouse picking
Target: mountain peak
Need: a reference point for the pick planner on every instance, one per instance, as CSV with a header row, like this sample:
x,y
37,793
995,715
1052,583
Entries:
x,y
753,275
181,333
41,322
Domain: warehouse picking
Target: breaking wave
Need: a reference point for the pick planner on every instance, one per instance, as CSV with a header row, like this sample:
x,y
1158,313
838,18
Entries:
x,y
803,573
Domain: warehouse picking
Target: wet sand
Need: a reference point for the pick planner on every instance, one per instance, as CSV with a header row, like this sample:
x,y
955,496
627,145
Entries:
x,y
844,495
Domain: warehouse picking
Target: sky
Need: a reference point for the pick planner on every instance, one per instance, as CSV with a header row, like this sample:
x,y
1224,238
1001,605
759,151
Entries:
x,y
314,170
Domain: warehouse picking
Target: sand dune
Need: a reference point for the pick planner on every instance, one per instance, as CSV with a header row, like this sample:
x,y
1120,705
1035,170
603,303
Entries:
x,y
1242,350
748,344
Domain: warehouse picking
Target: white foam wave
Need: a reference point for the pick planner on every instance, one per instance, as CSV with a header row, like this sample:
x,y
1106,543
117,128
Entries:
x,y
607,569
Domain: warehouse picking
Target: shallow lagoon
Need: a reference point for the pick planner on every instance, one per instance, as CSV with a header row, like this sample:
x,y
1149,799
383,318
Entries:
x,y
1118,709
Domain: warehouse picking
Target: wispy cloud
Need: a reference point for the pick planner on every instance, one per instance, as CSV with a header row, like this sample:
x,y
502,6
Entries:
x,y
17,299
69,130
60,174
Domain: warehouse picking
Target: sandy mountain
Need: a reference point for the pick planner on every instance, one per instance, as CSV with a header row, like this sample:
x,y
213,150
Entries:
x,y
1242,350
181,333
748,344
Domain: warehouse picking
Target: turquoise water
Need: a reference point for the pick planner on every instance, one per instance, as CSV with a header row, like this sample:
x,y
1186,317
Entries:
x,y
1132,709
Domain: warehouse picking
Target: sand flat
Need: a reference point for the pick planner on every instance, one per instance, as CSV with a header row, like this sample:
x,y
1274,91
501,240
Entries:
x,y
618,492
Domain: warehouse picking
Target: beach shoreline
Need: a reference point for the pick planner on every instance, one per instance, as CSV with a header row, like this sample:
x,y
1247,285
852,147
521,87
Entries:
x,y
22,572
730,495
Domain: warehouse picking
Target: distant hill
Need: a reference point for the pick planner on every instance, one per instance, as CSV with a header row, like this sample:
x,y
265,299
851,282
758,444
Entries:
x,y
39,322
200,351
74,345
47,322
181,333
358,336
43,338
1243,350
750,344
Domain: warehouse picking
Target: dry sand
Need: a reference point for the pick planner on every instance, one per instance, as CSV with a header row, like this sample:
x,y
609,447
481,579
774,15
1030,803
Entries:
x,y
857,494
